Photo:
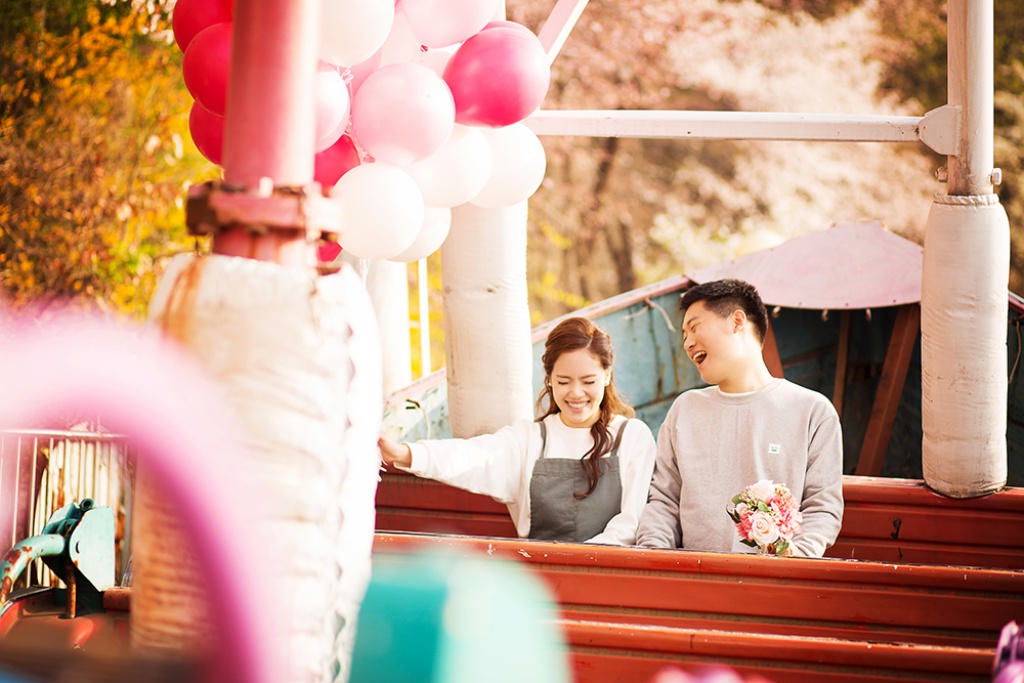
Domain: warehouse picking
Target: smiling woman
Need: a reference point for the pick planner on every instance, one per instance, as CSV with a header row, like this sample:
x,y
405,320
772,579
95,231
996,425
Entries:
x,y
580,472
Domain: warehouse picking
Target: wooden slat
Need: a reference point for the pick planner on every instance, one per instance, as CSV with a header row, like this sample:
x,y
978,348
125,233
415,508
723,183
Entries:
x,y
770,352
605,653
918,552
719,622
914,492
591,665
724,565
890,388
940,526
445,523
931,611
398,489
842,359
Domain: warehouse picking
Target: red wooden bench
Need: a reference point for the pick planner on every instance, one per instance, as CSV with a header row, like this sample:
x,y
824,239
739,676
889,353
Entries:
x,y
627,612
888,520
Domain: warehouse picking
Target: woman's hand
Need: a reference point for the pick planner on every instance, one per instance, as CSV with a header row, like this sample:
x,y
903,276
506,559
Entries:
x,y
393,452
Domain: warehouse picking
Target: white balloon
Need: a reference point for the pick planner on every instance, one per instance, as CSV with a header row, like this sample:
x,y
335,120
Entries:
x,y
382,210
437,221
518,163
400,45
332,106
439,23
352,30
457,171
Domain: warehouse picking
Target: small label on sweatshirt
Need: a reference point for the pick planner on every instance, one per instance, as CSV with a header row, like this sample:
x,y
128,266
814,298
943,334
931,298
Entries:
x,y
774,448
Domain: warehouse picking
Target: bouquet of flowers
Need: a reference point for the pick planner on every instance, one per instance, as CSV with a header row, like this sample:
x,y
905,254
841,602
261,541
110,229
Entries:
x,y
767,517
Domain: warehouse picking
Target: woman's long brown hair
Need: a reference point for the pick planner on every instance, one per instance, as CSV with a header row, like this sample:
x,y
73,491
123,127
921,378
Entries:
x,y
573,334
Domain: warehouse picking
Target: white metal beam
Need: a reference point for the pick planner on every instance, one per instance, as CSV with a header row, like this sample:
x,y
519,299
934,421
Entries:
x,y
938,129
559,24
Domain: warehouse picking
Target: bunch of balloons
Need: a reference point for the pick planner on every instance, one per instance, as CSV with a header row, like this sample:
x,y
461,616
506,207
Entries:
x,y
419,108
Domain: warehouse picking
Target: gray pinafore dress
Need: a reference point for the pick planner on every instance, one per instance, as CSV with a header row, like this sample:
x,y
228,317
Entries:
x,y
555,512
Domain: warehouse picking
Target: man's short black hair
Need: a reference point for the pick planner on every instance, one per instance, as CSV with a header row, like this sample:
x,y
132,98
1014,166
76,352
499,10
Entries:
x,y
725,296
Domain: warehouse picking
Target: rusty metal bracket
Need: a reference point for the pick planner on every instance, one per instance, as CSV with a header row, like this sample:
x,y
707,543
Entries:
x,y
213,206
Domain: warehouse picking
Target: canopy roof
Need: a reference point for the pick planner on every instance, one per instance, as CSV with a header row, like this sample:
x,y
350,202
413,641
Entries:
x,y
851,265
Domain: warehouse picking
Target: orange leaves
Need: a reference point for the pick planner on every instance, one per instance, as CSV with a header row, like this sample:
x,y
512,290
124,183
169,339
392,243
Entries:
x,y
92,161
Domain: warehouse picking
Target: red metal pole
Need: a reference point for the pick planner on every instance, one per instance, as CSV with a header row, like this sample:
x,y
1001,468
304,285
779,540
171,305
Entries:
x,y
270,123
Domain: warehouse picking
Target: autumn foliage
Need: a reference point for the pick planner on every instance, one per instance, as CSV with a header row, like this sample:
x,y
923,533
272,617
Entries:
x,y
92,157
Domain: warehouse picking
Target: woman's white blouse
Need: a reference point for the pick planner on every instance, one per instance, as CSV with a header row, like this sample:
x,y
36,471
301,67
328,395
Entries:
x,y
500,465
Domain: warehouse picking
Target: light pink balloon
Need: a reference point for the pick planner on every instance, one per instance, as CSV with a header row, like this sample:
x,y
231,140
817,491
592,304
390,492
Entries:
x,y
402,113
332,106
357,73
498,77
401,45
438,23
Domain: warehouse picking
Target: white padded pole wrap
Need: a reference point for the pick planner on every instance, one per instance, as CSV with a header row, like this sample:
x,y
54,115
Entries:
x,y
298,357
486,319
963,345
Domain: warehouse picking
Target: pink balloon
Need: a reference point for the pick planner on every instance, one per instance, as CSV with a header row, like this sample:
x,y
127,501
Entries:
x,y
206,66
358,73
514,25
207,132
192,16
335,161
498,77
402,113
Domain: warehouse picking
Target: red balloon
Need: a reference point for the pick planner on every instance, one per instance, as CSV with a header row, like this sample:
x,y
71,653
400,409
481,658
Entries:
x,y
328,252
206,67
498,77
207,132
192,16
335,161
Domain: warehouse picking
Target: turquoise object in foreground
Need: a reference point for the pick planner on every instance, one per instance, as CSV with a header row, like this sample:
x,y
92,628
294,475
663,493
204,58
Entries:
x,y
439,619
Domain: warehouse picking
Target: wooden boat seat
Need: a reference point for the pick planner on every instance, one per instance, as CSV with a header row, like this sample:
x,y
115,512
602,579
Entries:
x,y
627,611
901,520
888,520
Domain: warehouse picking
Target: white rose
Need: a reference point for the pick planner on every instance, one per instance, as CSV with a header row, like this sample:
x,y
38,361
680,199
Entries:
x,y
762,490
762,529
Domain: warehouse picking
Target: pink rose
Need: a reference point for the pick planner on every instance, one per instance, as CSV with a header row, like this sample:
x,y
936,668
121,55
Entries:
x,y
762,490
762,529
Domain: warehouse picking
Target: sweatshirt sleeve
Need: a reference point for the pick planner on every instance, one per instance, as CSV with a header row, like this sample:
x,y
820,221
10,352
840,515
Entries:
x,y
636,457
489,464
822,505
659,522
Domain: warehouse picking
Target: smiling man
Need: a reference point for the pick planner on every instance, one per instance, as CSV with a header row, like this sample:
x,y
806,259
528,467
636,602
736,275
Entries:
x,y
745,427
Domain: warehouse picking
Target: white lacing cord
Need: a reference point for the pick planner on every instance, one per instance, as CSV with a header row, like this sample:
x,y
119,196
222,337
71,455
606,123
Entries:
x,y
649,305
